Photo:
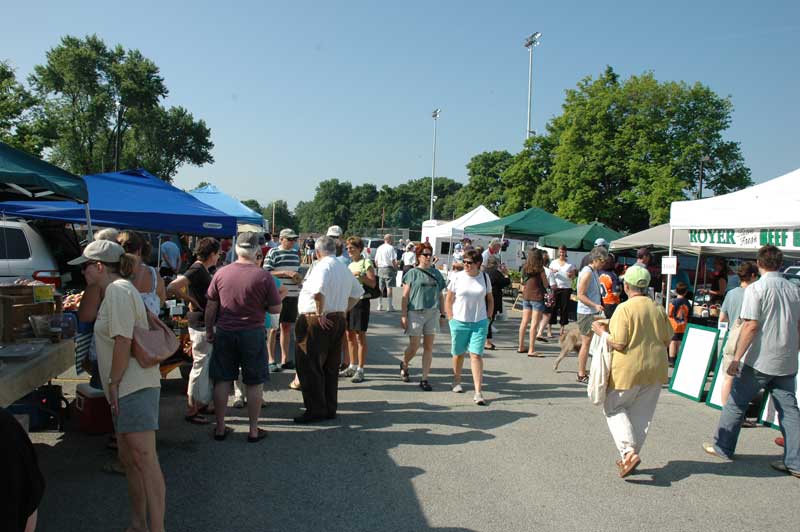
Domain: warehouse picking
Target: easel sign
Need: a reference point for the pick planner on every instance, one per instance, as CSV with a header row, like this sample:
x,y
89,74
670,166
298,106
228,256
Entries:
x,y
769,414
694,362
714,398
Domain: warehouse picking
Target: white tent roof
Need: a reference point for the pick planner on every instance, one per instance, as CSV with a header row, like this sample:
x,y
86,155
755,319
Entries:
x,y
456,227
772,204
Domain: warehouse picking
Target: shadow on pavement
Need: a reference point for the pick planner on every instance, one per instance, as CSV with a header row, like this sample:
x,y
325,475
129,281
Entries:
x,y
751,466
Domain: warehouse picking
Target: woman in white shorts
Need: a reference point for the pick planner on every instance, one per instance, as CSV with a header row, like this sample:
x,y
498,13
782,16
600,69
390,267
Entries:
x,y
422,306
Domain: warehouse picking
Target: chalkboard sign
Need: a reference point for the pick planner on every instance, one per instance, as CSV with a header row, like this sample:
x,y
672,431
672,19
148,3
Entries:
x,y
694,361
714,399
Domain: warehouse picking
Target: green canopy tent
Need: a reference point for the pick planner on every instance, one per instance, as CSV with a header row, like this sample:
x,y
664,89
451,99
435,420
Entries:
x,y
530,224
24,177
580,237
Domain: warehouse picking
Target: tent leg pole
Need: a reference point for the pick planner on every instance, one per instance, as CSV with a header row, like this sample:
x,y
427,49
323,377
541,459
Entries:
x,y
158,264
668,288
697,272
89,235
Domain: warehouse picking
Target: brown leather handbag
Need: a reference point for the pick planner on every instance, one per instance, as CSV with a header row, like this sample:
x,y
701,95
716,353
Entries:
x,y
155,344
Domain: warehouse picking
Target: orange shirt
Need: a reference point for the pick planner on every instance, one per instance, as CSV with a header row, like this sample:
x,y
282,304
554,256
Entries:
x,y
679,314
609,297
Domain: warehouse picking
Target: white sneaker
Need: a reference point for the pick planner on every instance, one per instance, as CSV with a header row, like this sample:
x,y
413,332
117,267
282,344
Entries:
x,y
380,306
391,309
478,399
347,372
238,403
358,377
457,388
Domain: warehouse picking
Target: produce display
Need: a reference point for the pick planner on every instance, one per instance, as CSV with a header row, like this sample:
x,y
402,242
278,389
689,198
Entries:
x,y
73,301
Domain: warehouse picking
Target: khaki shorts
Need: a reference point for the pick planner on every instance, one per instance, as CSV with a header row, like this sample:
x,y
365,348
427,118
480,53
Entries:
x,y
585,324
726,363
423,322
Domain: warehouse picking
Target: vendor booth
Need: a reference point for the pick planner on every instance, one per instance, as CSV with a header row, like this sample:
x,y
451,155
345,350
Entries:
x,y
26,364
133,199
442,236
735,225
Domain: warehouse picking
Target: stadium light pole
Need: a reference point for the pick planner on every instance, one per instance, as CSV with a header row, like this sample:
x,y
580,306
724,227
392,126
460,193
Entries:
x,y
435,115
531,42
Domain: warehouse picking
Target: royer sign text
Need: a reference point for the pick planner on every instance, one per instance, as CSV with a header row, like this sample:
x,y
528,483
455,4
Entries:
x,y
745,238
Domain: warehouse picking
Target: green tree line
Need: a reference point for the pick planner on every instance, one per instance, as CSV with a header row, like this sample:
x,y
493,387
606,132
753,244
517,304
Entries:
x,y
620,152
93,108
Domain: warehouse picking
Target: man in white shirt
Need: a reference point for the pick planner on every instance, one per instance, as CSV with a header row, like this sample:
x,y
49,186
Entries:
x,y
328,292
386,261
493,250
170,258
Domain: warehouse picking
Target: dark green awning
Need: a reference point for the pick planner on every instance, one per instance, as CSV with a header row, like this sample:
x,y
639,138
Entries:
x,y
525,225
24,177
580,237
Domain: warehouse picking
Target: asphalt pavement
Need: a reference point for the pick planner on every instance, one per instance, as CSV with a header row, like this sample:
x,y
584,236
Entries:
x,y
538,456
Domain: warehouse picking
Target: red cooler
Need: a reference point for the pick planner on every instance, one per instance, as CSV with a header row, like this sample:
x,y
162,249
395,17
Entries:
x,y
94,413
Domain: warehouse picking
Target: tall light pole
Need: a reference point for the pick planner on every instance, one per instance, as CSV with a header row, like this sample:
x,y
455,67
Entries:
x,y
703,159
435,116
530,43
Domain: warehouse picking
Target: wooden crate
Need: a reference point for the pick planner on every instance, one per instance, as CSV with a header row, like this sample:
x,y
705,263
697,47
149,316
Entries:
x,y
16,304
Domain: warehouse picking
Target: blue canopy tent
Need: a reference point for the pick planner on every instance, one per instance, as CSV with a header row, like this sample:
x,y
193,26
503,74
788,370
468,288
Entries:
x,y
211,195
132,199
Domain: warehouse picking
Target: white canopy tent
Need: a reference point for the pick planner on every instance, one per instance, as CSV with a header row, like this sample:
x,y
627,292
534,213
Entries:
x,y
739,222
443,235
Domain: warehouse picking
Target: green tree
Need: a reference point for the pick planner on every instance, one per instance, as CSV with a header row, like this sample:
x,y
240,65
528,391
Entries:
x,y
252,204
17,107
484,185
330,206
622,151
100,110
283,216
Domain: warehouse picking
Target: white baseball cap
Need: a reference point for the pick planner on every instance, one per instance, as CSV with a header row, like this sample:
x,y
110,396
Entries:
x,y
334,231
601,242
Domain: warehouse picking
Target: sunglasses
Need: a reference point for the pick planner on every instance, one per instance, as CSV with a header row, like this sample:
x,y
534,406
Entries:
x,y
426,254
469,262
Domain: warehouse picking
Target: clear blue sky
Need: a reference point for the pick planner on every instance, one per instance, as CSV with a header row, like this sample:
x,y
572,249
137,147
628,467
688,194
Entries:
x,y
297,92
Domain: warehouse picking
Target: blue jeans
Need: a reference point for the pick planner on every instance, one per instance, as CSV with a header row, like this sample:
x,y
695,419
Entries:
x,y
745,387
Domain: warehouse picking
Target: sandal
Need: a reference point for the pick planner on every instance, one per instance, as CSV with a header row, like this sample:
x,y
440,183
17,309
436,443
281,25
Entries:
x,y
490,347
294,386
404,373
254,439
535,355
626,469
197,419
542,339
583,379
522,350
221,437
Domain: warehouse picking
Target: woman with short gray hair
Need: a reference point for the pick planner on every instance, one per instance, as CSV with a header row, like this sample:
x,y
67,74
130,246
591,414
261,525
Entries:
x,y
590,304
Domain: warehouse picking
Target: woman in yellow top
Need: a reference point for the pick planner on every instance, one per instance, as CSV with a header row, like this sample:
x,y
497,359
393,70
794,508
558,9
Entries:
x,y
639,335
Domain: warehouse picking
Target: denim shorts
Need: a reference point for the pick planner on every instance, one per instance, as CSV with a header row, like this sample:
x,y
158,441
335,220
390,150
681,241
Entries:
x,y
538,306
138,411
468,336
239,349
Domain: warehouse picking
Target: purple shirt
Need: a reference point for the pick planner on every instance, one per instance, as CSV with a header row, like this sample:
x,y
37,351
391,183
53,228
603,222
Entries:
x,y
244,292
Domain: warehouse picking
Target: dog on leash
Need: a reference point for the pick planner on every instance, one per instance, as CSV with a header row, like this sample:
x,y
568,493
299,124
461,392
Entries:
x,y
570,340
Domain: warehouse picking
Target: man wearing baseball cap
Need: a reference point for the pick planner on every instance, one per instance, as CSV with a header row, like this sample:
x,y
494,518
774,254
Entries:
x,y
284,263
601,242
239,296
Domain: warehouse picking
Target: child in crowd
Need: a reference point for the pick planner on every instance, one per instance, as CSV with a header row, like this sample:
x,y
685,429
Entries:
x,y
679,312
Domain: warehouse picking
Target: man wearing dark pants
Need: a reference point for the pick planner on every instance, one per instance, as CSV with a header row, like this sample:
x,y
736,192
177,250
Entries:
x,y
328,292
768,342
284,263
239,296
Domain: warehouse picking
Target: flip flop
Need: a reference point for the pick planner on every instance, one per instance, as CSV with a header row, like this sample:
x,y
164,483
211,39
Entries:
x,y
254,439
522,350
490,347
542,339
197,419
294,386
221,437
535,355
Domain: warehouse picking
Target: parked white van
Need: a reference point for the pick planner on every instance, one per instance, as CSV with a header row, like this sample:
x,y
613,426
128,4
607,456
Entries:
x,y
24,254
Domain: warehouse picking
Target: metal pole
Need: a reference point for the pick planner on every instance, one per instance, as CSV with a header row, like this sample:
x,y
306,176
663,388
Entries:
x,y
272,228
669,276
89,235
433,172
530,90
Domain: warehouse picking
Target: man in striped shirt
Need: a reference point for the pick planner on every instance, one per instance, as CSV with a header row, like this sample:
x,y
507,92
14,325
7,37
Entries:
x,y
284,262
